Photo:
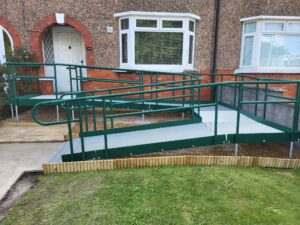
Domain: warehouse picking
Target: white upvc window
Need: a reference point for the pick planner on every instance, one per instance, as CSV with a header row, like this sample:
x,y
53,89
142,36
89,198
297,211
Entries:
x,y
157,41
270,44
6,44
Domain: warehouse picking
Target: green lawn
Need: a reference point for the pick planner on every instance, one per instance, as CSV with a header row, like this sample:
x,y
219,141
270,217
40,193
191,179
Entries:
x,y
172,195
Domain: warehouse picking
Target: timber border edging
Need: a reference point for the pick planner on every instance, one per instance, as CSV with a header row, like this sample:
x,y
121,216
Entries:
x,y
111,164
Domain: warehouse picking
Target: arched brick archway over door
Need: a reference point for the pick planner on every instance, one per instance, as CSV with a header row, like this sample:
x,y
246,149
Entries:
x,y
7,25
49,21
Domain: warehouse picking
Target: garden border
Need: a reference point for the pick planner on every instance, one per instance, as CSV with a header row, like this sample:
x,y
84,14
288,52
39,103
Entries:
x,y
243,161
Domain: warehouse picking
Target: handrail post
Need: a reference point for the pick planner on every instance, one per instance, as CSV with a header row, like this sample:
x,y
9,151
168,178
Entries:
x,y
38,81
296,112
111,112
183,90
55,81
265,99
173,79
216,114
81,131
235,91
94,115
81,78
105,128
199,96
70,133
156,80
256,97
71,79
221,89
240,99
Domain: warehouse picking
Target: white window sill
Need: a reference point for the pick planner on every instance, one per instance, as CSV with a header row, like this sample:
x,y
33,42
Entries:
x,y
267,70
159,68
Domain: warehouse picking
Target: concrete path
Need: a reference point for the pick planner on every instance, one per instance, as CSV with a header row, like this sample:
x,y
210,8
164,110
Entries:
x,y
18,158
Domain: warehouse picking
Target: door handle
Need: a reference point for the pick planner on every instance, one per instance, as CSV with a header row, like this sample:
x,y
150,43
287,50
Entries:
x,y
81,61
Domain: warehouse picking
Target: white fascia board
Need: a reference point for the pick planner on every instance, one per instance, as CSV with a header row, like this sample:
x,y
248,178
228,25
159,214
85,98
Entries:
x,y
162,14
270,18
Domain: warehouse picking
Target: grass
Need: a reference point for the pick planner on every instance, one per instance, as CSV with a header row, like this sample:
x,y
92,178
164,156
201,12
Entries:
x,y
167,196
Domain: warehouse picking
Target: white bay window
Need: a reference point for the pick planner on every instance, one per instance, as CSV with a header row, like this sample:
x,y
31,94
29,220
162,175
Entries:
x,y
157,41
270,44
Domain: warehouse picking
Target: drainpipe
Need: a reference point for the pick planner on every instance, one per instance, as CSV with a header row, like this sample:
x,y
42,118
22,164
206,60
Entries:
x,y
215,44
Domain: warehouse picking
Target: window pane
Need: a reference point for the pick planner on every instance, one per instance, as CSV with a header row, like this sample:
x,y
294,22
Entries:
x,y
158,48
48,47
146,23
172,24
248,47
7,44
295,27
191,49
250,27
124,48
191,26
280,51
124,24
273,26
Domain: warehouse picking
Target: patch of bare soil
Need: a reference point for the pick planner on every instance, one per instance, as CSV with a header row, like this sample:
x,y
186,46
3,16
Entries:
x,y
17,191
272,150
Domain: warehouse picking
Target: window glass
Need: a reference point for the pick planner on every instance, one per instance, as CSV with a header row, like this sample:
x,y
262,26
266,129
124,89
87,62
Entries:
x,y
280,51
146,23
48,47
248,48
158,48
294,27
124,49
191,26
191,49
250,27
124,24
273,26
172,24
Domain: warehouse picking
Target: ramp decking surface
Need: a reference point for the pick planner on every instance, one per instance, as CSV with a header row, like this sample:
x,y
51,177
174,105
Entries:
x,y
226,125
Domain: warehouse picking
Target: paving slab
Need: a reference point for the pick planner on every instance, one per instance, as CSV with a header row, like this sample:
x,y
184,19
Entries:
x,y
17,158
31,132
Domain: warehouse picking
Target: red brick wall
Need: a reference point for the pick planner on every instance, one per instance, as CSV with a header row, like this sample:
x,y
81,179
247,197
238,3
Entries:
x,y
12,32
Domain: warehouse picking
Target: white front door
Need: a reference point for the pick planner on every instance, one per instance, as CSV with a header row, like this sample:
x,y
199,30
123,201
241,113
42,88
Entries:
x,y
68,48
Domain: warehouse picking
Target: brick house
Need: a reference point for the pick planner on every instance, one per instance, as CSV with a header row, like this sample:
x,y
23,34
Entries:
x,y
207,36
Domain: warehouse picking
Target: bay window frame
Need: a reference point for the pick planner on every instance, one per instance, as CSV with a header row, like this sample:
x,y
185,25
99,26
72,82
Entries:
x,y
159,17
257,43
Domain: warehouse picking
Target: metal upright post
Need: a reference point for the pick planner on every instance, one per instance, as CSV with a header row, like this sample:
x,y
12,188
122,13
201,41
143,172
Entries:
x,y
12,111
105,128
241,91
236,149
295,120
17,113
216,112
70,133
265,99
291,150
256,97
57,113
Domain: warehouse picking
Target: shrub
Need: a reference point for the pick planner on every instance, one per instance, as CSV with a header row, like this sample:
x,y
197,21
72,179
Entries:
x,y
24,86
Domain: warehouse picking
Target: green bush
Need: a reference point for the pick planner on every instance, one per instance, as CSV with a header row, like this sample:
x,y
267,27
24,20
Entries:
x,y
4,107
23,86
